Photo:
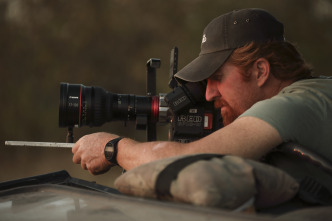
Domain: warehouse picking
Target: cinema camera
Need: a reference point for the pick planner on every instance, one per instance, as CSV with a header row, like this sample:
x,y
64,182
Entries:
x,y
185,108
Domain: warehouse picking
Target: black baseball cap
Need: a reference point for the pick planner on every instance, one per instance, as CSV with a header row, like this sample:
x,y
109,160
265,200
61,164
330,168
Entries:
x,y
226,33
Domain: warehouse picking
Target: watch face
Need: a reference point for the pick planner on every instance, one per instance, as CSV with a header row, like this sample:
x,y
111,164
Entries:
x,y
109,152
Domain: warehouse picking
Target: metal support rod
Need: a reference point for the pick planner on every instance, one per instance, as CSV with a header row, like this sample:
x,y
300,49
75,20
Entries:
x,y
152,65
70,135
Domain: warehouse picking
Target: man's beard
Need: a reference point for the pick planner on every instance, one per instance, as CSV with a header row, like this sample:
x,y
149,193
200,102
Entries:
x,y
228,114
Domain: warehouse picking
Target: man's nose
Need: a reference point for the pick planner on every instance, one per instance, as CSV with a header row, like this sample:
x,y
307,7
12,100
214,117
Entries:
x,y
211,90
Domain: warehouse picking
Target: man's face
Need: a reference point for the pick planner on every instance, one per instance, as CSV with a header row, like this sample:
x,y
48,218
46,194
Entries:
x,y
231,92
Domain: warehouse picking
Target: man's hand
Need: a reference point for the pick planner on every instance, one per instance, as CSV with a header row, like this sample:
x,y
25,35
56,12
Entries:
x,y
89,152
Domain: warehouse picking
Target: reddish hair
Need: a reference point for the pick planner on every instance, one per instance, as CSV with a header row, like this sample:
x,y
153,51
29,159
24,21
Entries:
x,y
286,63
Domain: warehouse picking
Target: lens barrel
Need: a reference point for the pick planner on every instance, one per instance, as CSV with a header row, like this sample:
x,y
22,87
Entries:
x,y
81,105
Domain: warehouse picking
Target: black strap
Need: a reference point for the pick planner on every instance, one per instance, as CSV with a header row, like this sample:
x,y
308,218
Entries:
x,y
306,154
171,171
311,191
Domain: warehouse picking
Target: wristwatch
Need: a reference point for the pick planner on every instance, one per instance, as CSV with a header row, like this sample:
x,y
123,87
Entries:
x,y
111,150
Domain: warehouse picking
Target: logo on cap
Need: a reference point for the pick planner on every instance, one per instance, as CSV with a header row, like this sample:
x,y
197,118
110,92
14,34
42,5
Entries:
x,y
204,39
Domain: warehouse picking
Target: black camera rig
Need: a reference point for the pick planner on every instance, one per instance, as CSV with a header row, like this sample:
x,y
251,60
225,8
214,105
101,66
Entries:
x,y
185,108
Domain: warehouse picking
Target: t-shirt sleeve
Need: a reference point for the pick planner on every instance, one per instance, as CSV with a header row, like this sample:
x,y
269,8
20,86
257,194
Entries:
x,y
294,115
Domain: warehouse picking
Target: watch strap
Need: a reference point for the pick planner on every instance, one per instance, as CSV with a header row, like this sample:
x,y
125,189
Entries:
x,y
111,150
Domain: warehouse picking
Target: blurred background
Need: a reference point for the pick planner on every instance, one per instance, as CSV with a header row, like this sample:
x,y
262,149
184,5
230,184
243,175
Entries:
x,y
107,43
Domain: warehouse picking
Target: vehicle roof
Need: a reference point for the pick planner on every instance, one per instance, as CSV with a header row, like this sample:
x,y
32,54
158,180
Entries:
x,y
57,196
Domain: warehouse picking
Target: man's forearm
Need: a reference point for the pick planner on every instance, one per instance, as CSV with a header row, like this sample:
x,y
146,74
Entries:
x,y
132,153
248,137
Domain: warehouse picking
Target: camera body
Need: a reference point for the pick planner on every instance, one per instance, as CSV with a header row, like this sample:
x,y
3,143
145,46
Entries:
x,y
190,116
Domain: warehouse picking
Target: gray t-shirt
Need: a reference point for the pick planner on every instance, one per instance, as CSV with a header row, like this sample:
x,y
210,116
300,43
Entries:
x,y
301,113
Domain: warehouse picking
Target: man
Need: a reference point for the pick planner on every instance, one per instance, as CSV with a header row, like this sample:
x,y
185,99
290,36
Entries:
x,y
261,85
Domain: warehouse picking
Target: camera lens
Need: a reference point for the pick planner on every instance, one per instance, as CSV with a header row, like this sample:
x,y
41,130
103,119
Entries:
x,y
81,105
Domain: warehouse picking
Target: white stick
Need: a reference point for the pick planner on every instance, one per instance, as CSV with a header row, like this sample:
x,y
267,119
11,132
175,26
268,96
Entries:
x,y
38,144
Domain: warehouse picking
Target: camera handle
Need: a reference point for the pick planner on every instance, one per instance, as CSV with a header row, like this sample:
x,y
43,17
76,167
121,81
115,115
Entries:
x,y
152,64
173,68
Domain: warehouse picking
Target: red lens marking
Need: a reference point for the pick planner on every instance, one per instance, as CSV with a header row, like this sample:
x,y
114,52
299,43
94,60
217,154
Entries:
x,y
154,108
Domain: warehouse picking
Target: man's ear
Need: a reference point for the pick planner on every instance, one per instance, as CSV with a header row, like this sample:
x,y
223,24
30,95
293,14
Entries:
x,y
261,69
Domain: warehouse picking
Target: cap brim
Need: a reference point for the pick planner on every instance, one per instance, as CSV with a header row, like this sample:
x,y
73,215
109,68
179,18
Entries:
x,y
203,66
